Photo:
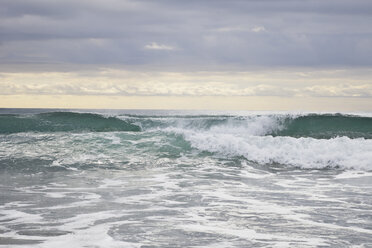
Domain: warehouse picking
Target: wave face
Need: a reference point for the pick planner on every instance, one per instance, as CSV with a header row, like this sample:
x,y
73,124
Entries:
x,y
62,122
311,141
327,126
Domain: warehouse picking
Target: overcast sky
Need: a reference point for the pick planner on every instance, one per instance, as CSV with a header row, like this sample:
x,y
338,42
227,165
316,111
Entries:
x,y
124,47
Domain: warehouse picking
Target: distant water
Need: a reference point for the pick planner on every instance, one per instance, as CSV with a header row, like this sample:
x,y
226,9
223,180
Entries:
x,y
131,178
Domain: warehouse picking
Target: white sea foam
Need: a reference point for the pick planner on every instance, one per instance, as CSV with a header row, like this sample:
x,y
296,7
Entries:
x,y
16,217
353,174
307,153
254,125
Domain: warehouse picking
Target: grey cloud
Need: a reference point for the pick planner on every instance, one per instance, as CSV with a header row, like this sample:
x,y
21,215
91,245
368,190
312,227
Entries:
x,y
296,32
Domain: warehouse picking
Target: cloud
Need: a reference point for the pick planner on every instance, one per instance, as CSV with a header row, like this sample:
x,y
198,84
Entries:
x,y
143,89
239,29
109,82
313,33
156,46
343,90
258,29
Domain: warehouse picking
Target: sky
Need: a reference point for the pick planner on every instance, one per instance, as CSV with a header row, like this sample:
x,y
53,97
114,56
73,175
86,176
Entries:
x,y
311,55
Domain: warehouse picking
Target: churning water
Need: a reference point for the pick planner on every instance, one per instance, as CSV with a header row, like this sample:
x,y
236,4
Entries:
x,y
184,179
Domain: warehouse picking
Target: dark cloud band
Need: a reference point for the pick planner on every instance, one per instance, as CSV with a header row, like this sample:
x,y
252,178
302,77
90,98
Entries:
x,y
181,34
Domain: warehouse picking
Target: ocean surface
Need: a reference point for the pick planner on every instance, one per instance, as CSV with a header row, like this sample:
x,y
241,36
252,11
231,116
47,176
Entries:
x,y
135,178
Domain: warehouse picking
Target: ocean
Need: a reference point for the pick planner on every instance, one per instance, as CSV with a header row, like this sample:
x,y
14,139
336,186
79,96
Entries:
x,y
151,178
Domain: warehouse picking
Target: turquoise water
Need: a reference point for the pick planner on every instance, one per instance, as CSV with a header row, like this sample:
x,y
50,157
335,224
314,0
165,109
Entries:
x,y
130,178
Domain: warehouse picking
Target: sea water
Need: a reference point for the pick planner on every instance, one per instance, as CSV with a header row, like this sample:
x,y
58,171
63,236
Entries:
x,y
131,178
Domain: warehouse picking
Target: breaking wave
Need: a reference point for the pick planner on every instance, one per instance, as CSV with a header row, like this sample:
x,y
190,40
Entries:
x,y
309,153
320,126
311,141
307,141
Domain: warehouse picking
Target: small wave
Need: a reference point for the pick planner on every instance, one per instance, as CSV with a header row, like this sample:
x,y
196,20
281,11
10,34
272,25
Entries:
x,y
63,122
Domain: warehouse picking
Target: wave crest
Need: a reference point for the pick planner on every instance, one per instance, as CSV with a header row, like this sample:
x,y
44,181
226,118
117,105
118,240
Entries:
x,y
319,126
